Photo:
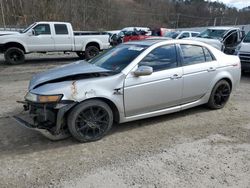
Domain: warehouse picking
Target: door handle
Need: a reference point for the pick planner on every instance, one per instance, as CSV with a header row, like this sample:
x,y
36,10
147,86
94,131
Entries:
x,y
175,76
210,69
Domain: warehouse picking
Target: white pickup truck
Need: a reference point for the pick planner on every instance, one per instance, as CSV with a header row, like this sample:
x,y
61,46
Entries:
x,y
51,37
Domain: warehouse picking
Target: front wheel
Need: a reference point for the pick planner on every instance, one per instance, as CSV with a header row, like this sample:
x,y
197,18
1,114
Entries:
x,y
90,120
220,95
14,56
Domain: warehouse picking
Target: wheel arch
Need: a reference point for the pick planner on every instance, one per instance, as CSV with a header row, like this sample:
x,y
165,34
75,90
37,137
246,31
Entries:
x,y
111,104
94,43
223,76
14,44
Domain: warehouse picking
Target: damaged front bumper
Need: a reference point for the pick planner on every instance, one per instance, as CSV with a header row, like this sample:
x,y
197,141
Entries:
x,y
48,119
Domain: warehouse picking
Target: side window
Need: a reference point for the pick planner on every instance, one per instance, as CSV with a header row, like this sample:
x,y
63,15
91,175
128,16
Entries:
x,y
161,58
61,29
208,55
42,29
192,54
184,35
194,34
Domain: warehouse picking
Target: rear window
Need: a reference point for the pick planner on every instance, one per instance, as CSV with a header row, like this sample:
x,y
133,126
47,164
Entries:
x,y
208,55
61,29
194,34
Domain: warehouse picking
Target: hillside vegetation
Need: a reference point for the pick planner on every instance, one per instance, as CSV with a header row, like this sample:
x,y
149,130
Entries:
x,y
115,14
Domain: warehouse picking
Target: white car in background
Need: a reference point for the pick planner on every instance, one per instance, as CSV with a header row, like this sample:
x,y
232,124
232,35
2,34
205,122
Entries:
x,y
243,51
181,34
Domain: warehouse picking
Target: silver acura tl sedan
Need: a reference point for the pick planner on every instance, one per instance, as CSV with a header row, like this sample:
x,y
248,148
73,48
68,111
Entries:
x,y
132,81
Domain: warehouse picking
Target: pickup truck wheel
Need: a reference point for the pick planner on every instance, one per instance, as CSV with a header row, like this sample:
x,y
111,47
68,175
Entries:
x,y
14,56
81,55
90,121
91,52
220,95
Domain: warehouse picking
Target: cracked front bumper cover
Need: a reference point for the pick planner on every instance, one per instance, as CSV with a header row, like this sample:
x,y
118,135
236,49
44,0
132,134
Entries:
x,y
44,132
56,132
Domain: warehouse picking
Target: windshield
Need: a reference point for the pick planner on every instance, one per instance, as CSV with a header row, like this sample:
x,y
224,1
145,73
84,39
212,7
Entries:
x,y
172,34
247,38
28,28
213,33
116,59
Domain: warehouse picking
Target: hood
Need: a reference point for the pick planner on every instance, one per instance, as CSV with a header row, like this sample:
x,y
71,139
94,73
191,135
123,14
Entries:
x,y
3,33
70,71
213,42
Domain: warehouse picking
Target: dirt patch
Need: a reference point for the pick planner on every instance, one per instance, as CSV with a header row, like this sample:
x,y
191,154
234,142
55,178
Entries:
x,y
194,148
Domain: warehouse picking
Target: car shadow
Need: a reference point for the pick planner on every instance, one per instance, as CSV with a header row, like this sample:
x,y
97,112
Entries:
x,y
42,60
157,119
19,140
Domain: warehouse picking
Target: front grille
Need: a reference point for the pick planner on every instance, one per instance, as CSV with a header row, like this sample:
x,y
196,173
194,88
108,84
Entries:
x,y
244,57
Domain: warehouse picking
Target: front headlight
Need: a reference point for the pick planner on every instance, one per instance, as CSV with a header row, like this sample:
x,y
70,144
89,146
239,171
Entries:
x,y
42,98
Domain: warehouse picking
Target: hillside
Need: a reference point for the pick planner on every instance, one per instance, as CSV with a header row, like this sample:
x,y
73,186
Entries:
x,y
115,14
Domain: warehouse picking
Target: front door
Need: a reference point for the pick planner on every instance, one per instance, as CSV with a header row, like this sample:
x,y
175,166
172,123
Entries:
x,y
161,89
41,40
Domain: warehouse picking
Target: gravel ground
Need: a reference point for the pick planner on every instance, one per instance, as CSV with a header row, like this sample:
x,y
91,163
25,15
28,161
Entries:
x,y
193,148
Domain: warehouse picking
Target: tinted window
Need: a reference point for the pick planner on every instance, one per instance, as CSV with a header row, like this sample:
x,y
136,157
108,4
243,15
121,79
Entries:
x,y
42,29
231,38
192,54
61,29
116,59
184,35
208,55
161,58
194,34
247,38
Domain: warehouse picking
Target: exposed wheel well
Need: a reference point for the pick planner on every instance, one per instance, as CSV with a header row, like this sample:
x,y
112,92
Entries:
x,y
93,44
13,44
228,80
111,105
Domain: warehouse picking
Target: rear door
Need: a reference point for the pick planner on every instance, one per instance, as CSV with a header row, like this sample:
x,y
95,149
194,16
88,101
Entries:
x,y
41,40
63,37
161,89
199,68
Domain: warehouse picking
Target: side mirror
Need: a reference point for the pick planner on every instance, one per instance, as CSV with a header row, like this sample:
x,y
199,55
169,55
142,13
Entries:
x,y
143,71
30,32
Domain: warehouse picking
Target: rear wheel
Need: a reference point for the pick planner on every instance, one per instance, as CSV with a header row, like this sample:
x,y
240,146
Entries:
x,y
14,56
91,51
90,120
220,95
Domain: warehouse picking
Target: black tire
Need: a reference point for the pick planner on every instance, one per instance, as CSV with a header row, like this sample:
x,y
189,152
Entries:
x,y
91,51
220,95
14,56
81,55
90,121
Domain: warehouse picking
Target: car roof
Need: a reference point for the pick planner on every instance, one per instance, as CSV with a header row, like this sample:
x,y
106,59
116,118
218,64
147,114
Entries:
x,y
222,28
165,41
145,42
